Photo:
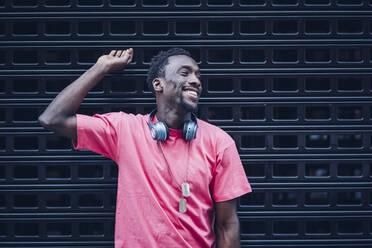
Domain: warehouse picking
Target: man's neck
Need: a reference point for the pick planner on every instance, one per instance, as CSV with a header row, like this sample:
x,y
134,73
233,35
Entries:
x,y
174,118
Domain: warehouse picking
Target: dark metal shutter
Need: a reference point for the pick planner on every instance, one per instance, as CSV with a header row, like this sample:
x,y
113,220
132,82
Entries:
x,y
289,80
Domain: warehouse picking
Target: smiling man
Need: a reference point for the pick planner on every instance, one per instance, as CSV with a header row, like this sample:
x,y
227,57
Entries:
x,y
179,177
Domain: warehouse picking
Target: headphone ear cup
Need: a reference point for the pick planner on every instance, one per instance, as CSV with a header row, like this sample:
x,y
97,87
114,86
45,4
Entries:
x,y
189,130
160,131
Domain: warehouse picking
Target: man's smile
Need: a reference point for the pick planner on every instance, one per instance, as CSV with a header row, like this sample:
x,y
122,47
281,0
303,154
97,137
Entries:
x,y
192,93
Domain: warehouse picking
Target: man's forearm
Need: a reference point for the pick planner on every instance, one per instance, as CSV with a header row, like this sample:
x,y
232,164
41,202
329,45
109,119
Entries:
x,y
228,235
68,101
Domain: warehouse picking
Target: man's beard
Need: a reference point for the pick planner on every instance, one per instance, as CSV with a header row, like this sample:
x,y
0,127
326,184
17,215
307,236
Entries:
x,y
188,107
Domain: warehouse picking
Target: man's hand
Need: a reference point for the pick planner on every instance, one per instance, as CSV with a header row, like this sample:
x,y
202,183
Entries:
x,y
116,60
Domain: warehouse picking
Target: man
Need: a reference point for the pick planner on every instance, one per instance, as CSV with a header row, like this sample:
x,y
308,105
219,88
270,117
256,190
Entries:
x,y
179,177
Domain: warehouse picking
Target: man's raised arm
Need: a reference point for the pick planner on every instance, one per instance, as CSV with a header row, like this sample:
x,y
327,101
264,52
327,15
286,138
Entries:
x,y
59,116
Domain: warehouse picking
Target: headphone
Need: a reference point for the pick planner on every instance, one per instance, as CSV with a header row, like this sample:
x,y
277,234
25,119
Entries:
x,y
159,130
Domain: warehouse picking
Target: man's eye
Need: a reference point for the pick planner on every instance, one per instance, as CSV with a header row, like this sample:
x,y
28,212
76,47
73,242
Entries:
x,y
184,73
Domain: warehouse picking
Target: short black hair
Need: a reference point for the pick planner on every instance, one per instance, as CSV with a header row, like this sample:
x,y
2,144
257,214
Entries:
x,y
158,63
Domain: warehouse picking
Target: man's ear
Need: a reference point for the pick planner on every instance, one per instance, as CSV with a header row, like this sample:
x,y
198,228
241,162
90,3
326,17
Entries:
x,y
157,83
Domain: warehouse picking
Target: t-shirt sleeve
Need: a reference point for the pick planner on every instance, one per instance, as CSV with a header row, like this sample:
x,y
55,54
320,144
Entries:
x,y
98,133
229,180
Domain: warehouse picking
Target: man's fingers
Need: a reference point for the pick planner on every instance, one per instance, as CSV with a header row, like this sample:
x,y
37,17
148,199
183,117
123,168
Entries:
x,y
119,53
129,60
130,53
125,52
130,57
125,55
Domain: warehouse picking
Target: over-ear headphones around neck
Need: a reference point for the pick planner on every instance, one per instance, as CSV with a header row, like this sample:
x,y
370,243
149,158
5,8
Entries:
x,y
159,130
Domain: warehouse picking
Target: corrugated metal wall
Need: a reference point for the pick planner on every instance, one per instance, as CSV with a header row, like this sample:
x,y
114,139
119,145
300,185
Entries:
x,y
290,80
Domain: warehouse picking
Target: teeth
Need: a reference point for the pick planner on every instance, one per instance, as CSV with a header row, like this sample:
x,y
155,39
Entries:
x,y
191,93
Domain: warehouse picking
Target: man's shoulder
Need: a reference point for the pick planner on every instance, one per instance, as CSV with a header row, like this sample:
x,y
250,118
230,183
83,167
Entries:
x,y
209,127
123,115
121,118
213,132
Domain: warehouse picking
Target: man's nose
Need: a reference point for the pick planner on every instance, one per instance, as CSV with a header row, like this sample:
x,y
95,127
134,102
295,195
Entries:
x,y
195,81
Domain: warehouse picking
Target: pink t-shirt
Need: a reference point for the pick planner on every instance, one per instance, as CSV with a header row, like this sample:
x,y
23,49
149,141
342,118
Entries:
x,y
147,210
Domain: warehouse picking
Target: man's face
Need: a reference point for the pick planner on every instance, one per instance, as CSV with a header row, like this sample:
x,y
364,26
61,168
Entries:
x,y
182,82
